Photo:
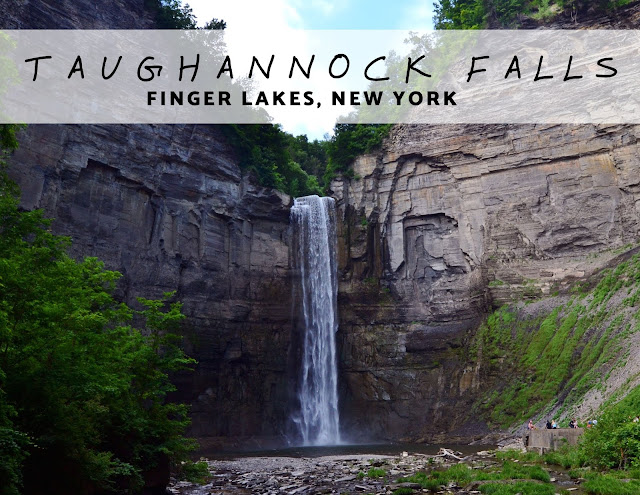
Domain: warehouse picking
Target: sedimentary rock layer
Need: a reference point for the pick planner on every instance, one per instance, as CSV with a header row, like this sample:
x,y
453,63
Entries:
x,y
446,221
168,207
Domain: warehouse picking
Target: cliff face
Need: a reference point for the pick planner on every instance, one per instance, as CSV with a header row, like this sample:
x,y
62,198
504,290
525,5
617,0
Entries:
x,y
168,207
448,220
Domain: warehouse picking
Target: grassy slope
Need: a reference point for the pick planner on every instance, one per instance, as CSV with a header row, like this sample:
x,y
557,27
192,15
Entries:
x,y
564,356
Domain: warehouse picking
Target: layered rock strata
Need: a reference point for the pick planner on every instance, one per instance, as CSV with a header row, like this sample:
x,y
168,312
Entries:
x,y
168,207
447,221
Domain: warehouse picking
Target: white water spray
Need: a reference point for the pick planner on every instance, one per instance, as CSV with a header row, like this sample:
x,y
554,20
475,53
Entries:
x,y
313,219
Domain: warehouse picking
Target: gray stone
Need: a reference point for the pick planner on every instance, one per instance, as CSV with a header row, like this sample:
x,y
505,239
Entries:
x,y
461,218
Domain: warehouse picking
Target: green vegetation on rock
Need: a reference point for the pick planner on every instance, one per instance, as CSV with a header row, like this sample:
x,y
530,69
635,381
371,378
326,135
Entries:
x,y
294,164
376,473
349,141
479,14
8,140
584,464
518,488
560,354
268,151
462,474
604,484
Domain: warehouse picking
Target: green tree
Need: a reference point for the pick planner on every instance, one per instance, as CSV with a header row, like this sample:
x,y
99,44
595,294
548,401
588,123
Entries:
x,y
310,155
615,441
82,392
8,139
172,14
459,14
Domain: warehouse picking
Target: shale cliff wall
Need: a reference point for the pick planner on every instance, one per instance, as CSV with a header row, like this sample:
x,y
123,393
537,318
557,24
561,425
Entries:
x,y
447,221
168,207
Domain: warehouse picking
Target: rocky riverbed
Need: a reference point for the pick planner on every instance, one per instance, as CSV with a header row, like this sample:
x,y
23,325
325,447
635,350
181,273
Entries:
x,y
339,474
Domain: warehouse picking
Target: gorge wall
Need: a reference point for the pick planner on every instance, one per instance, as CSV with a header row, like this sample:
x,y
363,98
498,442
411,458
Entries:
x,y
446,221
168,207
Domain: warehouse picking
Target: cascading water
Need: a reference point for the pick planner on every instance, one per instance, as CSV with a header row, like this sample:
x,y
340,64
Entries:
x,y
313,220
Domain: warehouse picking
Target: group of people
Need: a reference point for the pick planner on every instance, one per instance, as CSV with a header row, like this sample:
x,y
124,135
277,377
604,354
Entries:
x,y
551,424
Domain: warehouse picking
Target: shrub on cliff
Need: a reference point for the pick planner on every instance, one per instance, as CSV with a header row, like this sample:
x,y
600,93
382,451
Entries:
x,y
82,392
615,441
8,140
350,141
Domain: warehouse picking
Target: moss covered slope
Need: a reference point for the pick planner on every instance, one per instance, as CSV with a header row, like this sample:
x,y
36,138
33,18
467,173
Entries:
x,y
565,356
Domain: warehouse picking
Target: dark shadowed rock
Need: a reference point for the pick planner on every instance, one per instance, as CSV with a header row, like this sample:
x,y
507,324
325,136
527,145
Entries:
x,y
168,207
74,14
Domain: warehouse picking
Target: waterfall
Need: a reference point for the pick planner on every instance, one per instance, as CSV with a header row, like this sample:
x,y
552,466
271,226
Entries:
x,y
313,220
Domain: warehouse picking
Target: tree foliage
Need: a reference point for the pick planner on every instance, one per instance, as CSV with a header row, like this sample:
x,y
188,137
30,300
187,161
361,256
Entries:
x,y
172,14
294,164
8,139
349,141
269,152
459,14
82,392
615,441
